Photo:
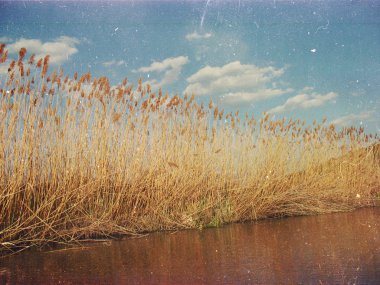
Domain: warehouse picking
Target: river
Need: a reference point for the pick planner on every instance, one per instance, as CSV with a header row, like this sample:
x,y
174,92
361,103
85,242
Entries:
x,y
340,248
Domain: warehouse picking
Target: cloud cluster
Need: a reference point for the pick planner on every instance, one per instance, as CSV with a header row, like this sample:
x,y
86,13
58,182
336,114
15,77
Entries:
x,y
236,82
195,36
59,49
171,67
304,101
352,118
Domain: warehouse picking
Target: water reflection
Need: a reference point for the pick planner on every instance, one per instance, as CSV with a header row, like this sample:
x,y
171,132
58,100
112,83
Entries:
x,y
338,248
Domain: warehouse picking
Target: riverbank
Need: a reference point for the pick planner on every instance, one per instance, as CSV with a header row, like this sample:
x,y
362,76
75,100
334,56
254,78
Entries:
x,y
82,159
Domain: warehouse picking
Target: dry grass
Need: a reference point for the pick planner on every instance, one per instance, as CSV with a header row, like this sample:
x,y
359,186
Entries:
x,y
81,159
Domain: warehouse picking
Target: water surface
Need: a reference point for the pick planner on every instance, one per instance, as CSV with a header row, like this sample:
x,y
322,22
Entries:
x,y
339,248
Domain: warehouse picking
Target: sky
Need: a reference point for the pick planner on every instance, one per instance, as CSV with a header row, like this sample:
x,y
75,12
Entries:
x,y
293,59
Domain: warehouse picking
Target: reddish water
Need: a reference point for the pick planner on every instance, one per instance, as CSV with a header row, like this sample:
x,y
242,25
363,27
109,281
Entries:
x,y
328,249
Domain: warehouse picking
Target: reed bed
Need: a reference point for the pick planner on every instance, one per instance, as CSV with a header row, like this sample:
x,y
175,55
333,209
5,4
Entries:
x,y
82,159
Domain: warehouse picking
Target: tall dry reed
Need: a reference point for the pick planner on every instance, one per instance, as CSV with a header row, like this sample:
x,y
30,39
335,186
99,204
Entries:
x,y
80,158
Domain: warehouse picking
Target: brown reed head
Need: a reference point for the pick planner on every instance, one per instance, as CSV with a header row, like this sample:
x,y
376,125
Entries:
x,y
21,54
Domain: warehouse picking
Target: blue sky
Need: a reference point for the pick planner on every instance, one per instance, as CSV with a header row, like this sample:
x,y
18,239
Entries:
x,y
300,59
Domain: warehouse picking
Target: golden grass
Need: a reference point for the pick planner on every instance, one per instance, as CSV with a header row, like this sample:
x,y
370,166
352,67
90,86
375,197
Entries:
x,y
82,159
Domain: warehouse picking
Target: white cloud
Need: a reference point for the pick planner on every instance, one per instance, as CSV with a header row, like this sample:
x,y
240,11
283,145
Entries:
x,y
195,36
236,82
169,63
114,62
304,101
5,40
59,50
307,89
352,118
171,67
263,94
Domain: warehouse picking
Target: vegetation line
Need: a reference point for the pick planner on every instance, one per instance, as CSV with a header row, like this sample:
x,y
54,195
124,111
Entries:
x,y
82,159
